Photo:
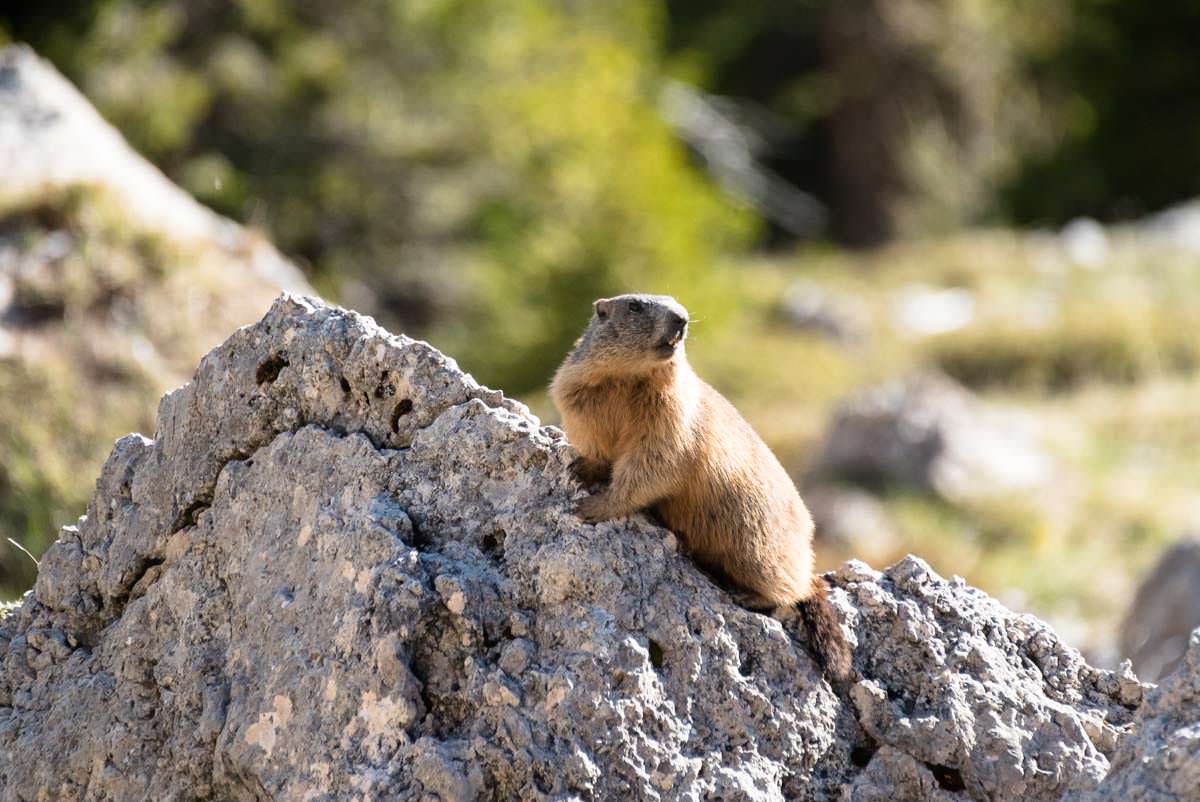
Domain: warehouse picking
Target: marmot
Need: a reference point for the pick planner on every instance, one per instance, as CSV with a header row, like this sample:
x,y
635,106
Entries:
x,y
638,416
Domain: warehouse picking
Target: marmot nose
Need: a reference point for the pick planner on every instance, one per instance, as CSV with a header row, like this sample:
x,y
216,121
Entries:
x,y
677,321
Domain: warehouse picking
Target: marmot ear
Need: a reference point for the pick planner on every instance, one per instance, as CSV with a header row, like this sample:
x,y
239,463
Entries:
x,y
601,307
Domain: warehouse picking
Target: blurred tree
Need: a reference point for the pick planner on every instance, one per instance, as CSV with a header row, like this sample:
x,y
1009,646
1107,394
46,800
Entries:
x,y
902,115
473,171
1125,81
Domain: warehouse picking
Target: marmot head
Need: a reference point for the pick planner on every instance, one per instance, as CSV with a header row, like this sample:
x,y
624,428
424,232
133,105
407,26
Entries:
x,y
635,332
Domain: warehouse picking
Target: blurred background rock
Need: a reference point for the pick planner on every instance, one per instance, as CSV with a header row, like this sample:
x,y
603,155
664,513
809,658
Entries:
x,y
1154,634
962,229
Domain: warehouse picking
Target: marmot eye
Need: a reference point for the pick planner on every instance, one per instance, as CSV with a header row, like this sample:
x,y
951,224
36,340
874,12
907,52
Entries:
x,y
636,306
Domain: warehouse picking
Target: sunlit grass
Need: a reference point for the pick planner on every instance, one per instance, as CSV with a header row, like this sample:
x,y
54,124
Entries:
x,y
111,318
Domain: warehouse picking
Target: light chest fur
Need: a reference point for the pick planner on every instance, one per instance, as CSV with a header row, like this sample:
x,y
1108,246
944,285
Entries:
x,y
613,416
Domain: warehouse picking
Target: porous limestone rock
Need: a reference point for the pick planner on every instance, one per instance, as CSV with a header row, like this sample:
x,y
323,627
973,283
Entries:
x,y
1161,761
343,570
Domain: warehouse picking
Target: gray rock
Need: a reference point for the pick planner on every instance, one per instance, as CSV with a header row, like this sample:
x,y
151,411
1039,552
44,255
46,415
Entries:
x,y
1085,242
808,307
930,433
923,311
52,141
1164,612
943,667
343,570
51,137
853,520
1161,761
1177,227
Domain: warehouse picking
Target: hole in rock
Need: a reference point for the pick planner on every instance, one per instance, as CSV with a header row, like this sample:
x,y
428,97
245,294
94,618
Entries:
x,y
345,384
656,654
493,542
144,567
147,564
190,513
384,390
419,539
543,777
861,755
948,778
745,664
403,408
269,370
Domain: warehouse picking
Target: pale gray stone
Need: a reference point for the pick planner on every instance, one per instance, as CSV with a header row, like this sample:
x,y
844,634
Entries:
x,y
52,138
343,570
928,432
1161,761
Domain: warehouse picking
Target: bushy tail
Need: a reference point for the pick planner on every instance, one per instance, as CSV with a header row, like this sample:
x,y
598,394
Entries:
x,y
825,637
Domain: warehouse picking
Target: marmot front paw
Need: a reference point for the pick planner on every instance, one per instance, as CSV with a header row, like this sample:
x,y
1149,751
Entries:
x,y
591,472
593,509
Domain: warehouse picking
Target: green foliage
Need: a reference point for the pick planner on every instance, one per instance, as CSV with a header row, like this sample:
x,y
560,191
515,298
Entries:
x,y
591,195
77,391
1124,79
472,172
398,145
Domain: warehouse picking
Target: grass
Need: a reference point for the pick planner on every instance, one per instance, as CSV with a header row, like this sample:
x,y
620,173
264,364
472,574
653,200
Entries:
x,y
86,394
103,319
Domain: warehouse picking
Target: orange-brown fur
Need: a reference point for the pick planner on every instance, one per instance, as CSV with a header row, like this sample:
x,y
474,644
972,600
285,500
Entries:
x,y
634,410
